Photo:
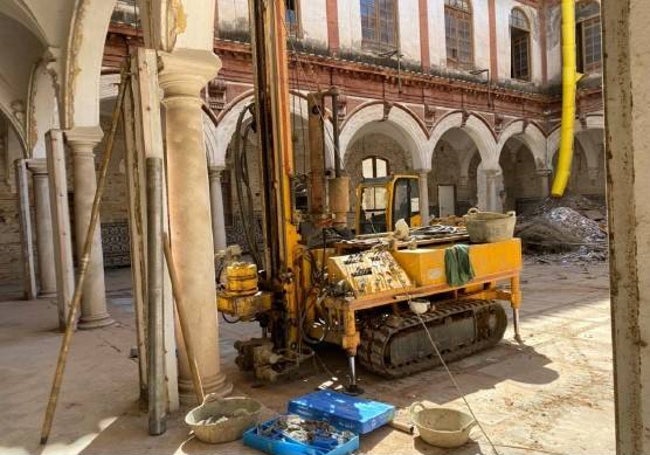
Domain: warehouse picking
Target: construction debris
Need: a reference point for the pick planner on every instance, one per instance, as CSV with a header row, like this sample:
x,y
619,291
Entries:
x,y
568,229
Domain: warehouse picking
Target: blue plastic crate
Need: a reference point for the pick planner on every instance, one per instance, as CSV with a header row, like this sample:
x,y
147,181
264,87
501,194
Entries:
x,y
343,411
268,439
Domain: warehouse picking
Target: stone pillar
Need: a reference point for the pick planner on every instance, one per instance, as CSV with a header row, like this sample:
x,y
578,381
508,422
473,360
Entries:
x,y
424,195
82,142
182,75
490,200
543,175
44,228
626,53
216,203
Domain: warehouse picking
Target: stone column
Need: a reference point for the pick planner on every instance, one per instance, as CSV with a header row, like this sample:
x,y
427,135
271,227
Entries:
x,y
491,191
424,195
543,175
182,75
44,228
626,53
82,142
216,203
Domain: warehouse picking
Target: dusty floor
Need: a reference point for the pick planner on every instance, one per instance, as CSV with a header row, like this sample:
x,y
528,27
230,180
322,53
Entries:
x,y
552,396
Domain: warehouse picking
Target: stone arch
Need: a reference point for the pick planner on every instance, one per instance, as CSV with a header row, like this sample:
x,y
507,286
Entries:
x,y
17,128
400,123
218,131
531,135
588,165
475,127
24,50
590,123
81,74
43,114
449,166
524,181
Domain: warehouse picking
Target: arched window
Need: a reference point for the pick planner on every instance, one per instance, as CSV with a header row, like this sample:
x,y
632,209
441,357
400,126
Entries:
x,y
374,167
379,25
519,45
588,41
458,33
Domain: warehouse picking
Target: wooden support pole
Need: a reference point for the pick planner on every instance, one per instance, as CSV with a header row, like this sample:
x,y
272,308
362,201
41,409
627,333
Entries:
x,y
62,232
29,269
83,268
137,225
186,331
155,345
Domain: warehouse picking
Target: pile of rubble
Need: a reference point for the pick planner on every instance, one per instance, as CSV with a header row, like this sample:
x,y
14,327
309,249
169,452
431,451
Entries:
x,y
568,229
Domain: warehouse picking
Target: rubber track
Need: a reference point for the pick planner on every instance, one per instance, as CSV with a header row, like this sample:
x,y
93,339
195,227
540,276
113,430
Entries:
x,y
377,334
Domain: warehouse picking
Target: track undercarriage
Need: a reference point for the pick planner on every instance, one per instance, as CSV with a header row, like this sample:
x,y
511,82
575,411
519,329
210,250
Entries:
x,y
395,346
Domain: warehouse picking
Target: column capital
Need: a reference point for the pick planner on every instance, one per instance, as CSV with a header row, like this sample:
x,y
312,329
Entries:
x,y
214,172
81,136
491,173
184,72
37,166
423,171
543,172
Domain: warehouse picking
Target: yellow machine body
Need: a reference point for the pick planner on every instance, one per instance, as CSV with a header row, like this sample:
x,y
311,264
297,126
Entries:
x,y
312,293
388,278
241,278
426,266
244,308
383,201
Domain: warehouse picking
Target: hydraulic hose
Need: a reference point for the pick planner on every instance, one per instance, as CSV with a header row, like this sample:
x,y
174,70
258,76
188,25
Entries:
x,y
569,79
242,182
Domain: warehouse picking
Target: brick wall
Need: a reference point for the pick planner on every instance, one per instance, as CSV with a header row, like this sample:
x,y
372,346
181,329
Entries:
x,y
10,242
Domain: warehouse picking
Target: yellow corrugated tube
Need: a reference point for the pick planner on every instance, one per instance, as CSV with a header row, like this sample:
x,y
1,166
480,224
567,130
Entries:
x,y
569,80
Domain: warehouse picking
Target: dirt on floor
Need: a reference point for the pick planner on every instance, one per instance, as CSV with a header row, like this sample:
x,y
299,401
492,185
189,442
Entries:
x,y
551,395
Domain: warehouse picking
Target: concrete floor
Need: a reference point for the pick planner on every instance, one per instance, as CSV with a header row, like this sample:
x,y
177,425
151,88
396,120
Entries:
x,y
552,396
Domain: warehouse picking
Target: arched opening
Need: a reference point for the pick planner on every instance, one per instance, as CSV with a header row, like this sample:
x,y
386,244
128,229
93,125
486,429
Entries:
x,y
372,148
238,214
451,189
588,165
374,167
522,185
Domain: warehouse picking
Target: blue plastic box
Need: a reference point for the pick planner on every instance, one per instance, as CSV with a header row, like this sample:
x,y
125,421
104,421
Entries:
x,y
273,443
358,415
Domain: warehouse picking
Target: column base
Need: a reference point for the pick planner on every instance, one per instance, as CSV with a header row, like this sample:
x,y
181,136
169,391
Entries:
x,y
47,295
218,384
95,322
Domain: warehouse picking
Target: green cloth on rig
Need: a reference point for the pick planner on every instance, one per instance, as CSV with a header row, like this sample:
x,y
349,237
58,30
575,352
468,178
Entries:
x,y
458,267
